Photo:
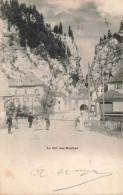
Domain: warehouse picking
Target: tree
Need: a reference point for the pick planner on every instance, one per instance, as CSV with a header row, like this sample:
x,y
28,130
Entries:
x,y
25,110
31,27
11,108
68,52
47,103
15,12
56,29
60,28
18,109
70,33
104,37
109,35
86,81
101,40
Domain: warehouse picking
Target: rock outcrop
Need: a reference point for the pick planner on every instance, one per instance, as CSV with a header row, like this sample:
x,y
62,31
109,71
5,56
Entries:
x,y
16,60
108,56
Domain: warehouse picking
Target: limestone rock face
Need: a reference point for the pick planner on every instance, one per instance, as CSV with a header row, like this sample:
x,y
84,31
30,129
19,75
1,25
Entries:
x,y
16,61
108,56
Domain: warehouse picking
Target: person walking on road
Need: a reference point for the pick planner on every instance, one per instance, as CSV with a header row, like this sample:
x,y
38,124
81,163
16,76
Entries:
x,y
77,120
30,119
9,122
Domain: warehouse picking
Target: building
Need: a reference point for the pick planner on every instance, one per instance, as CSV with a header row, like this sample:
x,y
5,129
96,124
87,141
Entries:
x,y
61,104
116,83
113,102
113,98
79,99
27,91
96,92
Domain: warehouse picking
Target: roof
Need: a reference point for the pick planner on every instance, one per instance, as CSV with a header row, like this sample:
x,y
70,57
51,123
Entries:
x,y
118,78
80,97
111,96
4,92
27,80
59,94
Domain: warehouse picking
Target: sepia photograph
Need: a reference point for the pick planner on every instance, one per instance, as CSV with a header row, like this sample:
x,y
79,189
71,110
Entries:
x,y
61,97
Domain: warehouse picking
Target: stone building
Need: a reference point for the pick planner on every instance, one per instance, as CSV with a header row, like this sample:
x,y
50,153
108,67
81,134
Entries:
x,y
27,91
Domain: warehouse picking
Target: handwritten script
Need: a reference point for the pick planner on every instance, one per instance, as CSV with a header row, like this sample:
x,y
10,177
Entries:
x,y
85,176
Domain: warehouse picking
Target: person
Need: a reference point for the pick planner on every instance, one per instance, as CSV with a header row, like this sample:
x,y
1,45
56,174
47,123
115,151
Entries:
x,y
82,119
30,119
9,122
77,120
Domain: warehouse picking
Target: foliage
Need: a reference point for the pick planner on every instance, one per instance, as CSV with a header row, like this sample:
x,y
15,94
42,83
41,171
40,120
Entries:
x,y
47,103
104,37
70,33
101,40
32,29
25,110
109,35
10,108
19,109
58,29
75,78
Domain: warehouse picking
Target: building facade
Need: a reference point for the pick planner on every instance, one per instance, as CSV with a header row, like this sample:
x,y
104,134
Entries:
x,y
27,91
113,98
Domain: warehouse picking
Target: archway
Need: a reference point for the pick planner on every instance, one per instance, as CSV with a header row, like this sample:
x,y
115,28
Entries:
x,y
83,107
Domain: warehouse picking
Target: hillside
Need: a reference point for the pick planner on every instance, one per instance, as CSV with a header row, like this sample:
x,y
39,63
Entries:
x,y
108,55
58,56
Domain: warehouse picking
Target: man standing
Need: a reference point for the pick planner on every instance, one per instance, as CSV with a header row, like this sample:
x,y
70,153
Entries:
x,y
30,119
9,122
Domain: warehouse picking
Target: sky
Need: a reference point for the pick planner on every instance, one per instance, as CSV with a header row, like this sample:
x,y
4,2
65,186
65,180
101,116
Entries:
x,y
86,18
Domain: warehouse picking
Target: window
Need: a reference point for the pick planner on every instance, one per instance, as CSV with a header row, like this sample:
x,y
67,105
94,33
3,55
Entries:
x,y
17,101
119,86
25,91
15,92
58,102
101,90
36,99
25,100
36,91
97,90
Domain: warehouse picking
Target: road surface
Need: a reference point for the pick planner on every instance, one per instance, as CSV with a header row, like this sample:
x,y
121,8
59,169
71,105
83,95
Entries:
x,y
60,160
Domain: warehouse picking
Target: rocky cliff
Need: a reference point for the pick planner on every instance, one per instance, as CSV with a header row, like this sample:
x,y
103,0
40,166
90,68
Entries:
x,y
16,60
108,56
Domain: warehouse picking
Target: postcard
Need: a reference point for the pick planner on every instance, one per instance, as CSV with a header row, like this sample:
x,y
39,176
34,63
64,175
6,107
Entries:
x,y
61,97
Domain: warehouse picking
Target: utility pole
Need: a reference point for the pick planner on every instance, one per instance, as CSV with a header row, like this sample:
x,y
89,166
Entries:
x,y
88,92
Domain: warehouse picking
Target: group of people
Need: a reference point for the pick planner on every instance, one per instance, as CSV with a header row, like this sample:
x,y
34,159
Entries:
x,y
31,118
12,120
38,121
